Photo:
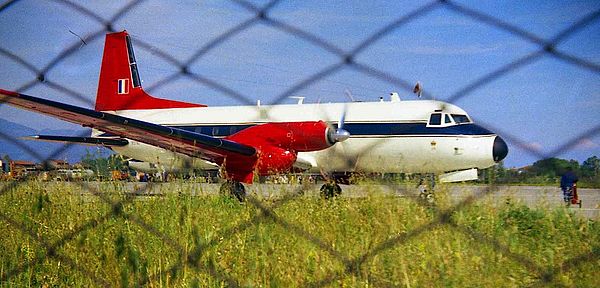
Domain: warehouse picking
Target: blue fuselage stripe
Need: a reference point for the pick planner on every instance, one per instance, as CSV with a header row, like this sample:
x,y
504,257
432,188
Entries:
x,y
360,129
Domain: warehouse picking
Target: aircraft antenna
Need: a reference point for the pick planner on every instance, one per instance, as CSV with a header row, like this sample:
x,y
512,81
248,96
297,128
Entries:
x,y
83,41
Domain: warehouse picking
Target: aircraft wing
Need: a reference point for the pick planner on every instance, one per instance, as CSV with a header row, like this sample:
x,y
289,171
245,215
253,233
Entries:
x,y
94,141
185,142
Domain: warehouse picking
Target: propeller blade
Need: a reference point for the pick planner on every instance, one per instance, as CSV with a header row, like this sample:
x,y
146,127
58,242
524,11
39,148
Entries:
x,y
349,94
340,133
343,117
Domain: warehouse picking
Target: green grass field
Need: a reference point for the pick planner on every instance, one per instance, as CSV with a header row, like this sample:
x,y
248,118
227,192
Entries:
x,y
53,235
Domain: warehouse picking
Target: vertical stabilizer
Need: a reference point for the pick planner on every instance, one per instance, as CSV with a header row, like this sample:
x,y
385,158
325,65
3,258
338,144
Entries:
x,y
119,86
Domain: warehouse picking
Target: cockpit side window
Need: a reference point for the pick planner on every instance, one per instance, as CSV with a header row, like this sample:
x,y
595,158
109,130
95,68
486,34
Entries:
x,y
435,119
447,119
461,119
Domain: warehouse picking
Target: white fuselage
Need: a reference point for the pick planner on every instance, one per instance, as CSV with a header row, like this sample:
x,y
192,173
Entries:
x,y
385,136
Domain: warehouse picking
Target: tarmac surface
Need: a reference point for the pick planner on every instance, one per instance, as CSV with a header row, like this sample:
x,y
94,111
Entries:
x,y
532,196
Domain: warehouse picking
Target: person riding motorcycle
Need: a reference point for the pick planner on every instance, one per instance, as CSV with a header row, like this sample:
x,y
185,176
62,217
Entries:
x,y
567,181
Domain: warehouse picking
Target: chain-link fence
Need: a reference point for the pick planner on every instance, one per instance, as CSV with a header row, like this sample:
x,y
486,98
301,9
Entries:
x,y
346,59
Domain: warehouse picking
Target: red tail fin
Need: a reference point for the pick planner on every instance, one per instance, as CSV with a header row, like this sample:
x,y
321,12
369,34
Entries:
x,y
119,87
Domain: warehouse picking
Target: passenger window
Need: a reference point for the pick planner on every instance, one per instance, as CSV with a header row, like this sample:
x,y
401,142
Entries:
x,y
447,119
435,119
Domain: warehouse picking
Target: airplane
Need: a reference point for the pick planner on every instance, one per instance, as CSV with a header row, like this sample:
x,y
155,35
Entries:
x,y
417,136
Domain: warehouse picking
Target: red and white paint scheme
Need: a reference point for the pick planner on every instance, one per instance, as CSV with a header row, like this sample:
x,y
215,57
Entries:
x,y
420,136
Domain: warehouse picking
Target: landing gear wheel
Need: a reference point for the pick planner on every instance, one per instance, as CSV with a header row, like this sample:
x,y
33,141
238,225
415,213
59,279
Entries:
x,y
426,195
430,198
235,189
330,190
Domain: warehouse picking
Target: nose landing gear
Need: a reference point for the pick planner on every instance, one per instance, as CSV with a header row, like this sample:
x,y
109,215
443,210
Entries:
x,y
426,190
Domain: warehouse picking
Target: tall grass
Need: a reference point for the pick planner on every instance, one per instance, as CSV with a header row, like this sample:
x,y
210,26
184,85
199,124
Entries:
x,y
55,235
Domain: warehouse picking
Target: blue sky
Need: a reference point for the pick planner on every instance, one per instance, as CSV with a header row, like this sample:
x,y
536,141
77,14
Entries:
x,y
539,106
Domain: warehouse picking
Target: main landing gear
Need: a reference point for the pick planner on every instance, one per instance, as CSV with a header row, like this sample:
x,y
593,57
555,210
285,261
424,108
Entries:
x,y
234,189
330,190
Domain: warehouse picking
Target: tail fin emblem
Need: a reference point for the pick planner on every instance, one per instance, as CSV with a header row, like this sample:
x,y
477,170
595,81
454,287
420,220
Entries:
x,y
123,86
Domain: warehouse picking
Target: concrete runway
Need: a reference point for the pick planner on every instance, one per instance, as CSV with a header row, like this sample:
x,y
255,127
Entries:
x,y
532,196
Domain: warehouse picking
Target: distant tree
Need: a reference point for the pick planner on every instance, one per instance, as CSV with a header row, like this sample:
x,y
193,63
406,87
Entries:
x,y
545,171
116,162
591,167
501,172
551,167
103,166
93,161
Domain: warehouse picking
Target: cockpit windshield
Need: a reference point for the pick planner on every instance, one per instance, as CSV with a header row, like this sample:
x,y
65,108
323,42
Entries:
x,y
460,119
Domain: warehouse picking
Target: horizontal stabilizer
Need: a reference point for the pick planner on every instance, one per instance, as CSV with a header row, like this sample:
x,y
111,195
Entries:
x,y
81,140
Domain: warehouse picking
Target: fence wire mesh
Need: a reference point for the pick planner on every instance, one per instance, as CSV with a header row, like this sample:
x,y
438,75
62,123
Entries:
x,y
346,59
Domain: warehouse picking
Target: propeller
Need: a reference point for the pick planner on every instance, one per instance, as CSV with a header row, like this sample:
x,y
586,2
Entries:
x,y
342,153
340,134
